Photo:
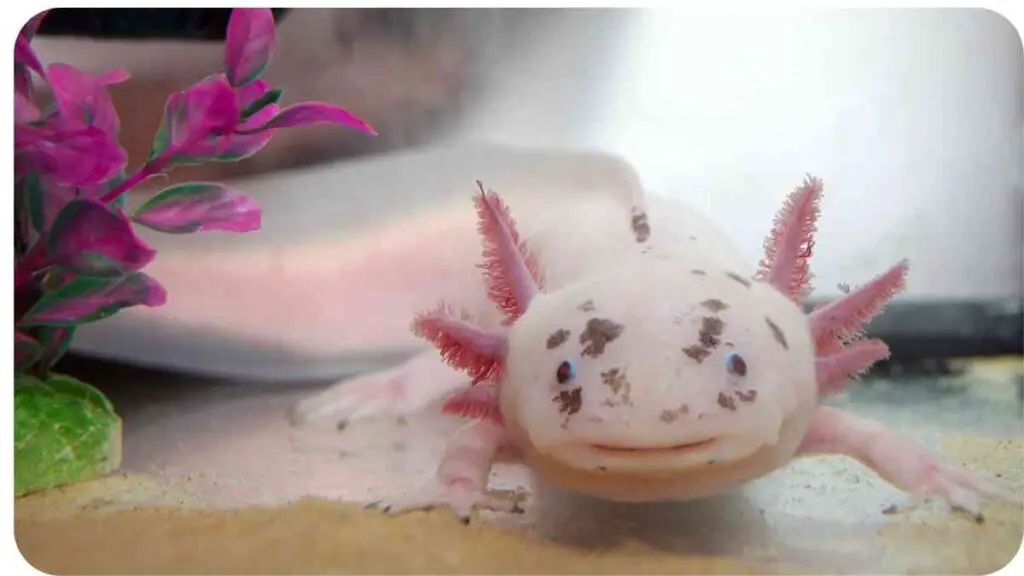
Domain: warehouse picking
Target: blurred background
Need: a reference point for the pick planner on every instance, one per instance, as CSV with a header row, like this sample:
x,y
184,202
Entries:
x,y
915,118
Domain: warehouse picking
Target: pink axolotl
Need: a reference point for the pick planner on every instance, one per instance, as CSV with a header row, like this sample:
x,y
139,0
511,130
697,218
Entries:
x,y
630,358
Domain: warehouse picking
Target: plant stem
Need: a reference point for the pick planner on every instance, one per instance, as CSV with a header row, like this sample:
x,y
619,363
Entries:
x,y
151,167
145,171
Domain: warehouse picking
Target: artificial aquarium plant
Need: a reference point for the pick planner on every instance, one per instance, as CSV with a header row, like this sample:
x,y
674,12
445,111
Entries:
x,y
77,256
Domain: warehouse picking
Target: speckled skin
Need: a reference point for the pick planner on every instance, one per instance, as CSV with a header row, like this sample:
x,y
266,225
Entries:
x,y
664,398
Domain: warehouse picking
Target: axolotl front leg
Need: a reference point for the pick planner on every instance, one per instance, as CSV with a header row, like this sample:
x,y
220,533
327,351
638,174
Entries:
x,y
460,481
841,352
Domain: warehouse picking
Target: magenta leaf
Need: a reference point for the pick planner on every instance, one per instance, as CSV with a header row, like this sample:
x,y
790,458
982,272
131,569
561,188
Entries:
x,y
26,351
30,27
83,97
55,341
31,190
250,43
23,80
233,147
67,154
207,108
199,206
306,113
269,97
89,238
24,110
87,299
26,56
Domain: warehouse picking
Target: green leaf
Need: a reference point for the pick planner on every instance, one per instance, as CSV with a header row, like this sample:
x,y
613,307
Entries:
x,y
27,351
269,97
165,133
65,431
55,341
88,299
32,189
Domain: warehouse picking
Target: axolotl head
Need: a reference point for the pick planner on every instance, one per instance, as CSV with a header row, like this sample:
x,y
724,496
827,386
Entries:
x,y
658,367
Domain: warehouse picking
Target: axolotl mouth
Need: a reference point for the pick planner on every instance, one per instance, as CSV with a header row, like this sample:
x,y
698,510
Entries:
x,y
642,451
639,457
666,458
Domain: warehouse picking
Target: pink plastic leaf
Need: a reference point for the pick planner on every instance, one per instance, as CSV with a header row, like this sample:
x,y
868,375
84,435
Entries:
x,y
89,238
787,250
476,402
207,108
480,353
308,113
26,350
843,318
23,81
199,206
89,298
233,147
24,110
55,341
67,154
510,269
249,45
30,27
83,97
26,56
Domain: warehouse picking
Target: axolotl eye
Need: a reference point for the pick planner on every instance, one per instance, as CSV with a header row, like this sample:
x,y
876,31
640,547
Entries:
x,y
566,371
735,364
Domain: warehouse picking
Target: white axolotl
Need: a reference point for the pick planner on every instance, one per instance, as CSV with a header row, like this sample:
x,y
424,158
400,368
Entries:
x,y
632,363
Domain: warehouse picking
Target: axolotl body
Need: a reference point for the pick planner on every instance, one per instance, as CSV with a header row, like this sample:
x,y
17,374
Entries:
x,y
632,363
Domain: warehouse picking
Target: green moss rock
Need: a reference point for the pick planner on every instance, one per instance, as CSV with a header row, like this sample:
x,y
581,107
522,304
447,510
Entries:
x,y
65,431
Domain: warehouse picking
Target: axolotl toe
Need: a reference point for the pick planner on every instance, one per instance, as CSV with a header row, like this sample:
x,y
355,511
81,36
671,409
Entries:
x,y
666,373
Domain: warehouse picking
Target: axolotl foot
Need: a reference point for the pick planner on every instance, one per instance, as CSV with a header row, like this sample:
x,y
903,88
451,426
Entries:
x,y
460,482
903,462
459,495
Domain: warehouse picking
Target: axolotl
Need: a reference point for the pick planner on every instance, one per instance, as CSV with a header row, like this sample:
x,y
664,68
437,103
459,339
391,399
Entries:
x,y
631,363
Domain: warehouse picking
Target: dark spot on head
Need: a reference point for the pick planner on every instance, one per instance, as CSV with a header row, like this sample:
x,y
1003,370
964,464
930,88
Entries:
x,y
738,278
777,333
558,338
602,468
342,424
726,402
597,334
669,416
715,305
698,272
641,228
570,401
697,352
711,328
748,396
587,306
615,379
